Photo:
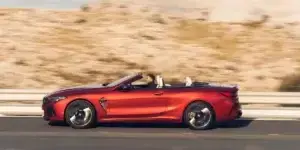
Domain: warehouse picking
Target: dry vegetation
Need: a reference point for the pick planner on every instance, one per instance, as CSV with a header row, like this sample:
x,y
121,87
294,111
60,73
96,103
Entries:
x,y
52,49
290,83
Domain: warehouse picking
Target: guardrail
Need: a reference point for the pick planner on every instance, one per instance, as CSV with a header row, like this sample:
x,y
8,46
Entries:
x,y
270,97
22,94
30,100
244,97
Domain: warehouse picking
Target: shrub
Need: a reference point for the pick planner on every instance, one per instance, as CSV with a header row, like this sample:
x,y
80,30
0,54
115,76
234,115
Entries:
x,y
290,83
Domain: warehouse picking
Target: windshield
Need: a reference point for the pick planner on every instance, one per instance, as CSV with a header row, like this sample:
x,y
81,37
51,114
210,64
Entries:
x,y
121,80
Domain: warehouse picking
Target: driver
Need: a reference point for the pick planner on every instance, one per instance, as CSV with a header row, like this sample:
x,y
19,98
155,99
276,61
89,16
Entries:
x,y
152,83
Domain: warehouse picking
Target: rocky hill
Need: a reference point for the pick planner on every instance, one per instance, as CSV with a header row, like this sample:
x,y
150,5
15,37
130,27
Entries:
x,y
253,44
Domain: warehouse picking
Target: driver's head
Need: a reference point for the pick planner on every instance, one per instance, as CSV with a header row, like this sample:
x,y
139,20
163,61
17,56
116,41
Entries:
x,y
151,77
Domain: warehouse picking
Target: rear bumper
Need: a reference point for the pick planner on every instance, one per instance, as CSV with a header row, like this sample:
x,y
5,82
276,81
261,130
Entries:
x,y
236,112
239,114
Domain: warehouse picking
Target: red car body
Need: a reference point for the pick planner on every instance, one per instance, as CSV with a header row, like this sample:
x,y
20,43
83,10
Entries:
x,y
165,104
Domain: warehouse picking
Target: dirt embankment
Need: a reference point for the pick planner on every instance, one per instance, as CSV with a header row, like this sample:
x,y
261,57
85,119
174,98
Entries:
x,y
52,49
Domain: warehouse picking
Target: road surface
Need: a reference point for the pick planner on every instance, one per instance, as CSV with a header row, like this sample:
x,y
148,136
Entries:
x,y
35,134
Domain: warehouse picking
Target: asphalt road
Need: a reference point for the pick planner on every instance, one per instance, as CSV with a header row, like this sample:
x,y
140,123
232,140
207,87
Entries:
x,y
35,134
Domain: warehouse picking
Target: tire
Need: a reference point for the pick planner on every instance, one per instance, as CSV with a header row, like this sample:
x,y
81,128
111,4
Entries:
x,y
199,116
80,114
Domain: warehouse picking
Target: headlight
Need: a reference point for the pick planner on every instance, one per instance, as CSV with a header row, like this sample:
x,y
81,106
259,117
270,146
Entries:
x,y
56,98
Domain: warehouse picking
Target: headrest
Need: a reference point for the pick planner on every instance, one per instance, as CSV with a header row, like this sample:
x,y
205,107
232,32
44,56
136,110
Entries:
x,y
188,81
159,81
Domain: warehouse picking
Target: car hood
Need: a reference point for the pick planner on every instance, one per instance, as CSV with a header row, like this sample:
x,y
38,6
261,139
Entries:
x,y
79,90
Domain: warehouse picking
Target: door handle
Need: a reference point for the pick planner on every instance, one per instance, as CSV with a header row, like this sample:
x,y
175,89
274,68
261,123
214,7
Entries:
x,y
158,93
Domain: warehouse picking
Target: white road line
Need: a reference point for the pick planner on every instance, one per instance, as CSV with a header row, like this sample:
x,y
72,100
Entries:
x,y
258,119
274,134
4,116
271,119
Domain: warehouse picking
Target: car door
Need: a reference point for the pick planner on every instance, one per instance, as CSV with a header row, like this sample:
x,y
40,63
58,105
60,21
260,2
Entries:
x,y
136,103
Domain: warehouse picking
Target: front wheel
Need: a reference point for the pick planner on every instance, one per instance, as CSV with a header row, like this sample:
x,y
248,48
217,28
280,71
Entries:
x,y
199,116
80,114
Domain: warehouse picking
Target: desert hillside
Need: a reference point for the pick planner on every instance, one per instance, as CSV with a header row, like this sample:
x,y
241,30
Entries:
x,y
53,49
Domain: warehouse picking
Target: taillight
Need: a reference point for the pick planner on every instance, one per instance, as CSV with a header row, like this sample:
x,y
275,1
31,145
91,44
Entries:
x,y
226,94
235,97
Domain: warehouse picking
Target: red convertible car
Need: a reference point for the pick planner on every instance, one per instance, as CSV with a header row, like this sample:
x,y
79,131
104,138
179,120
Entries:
x,y
199,105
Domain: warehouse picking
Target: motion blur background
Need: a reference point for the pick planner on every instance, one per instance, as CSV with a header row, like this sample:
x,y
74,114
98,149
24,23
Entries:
x,y
51,44
59,43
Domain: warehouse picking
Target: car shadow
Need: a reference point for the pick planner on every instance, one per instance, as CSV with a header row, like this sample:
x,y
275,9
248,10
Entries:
x,y
240,123
58,123
141,125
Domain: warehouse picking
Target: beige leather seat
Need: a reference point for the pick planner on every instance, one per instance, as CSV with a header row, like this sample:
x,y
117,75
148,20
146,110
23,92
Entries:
x,y
188,81
159,81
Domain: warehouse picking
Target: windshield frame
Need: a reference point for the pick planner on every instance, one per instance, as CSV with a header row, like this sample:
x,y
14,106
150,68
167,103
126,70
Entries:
x,y
121,80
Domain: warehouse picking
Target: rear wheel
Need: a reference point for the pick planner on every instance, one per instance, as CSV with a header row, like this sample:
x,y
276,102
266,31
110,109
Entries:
x,y
80,114
199,116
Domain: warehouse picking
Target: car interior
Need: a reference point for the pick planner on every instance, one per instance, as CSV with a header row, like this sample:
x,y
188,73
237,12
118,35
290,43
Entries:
x,y
158,82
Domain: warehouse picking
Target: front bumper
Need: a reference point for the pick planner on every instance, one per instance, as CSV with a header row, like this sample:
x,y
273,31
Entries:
x,y
48,111
46,118
52,111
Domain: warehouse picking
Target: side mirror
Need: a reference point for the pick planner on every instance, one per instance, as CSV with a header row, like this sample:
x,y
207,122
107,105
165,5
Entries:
x,y
125,87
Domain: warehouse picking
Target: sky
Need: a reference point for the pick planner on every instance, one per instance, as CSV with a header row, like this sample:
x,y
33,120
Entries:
x,y
46,4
